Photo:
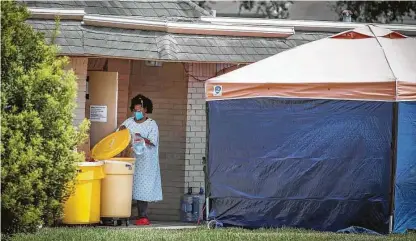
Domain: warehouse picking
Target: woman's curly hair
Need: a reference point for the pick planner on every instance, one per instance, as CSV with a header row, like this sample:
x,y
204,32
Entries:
x,y
143,101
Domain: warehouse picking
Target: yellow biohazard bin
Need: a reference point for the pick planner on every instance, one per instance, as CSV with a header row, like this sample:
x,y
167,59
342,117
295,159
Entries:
x,y
83,206
116,189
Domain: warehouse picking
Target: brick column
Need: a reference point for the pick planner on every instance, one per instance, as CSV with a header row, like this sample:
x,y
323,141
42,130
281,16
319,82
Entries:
x,y
79,66
196,124
196,120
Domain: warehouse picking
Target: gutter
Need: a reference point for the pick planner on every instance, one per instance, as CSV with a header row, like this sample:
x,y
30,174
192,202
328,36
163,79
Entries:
x,y
305,25
125,23
187,28
50,13
240,31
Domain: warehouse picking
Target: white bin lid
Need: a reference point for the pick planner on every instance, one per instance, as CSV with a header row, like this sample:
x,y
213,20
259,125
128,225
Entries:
x,y
116,162
90,164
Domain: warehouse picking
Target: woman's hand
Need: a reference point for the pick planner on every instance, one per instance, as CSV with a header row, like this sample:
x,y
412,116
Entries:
x,y
146,141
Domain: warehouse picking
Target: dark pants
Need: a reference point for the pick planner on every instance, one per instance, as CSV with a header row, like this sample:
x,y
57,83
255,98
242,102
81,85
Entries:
x,y
142,208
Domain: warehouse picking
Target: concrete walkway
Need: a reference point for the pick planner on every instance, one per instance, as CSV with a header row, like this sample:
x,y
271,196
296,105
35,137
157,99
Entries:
x,y
159,225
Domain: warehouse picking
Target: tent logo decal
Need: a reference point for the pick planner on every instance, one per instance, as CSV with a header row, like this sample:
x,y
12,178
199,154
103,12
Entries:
x,y
217,90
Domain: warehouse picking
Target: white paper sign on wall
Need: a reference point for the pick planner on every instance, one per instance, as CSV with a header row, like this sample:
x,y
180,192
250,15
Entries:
x,y
98,113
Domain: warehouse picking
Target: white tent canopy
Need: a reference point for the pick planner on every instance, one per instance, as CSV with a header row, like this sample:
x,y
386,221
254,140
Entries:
x,y
368,63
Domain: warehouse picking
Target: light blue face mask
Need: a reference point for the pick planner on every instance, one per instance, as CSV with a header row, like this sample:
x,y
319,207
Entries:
x,y
138,115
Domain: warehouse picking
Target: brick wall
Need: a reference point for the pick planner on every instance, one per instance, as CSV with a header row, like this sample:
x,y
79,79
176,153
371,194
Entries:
x,y
197,73
166,86
79,66
122,66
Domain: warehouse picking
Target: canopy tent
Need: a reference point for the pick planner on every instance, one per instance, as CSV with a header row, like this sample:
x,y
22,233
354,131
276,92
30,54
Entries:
x,y
321,136
363,64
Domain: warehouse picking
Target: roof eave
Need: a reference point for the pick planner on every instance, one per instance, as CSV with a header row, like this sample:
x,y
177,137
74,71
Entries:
x,y
306,25
154,59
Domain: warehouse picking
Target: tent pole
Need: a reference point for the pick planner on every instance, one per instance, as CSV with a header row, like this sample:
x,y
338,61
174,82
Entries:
x,y
395,129
206,172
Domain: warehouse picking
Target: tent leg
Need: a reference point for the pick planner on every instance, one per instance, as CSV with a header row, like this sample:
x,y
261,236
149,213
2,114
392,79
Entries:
x,y
205,161
207,208
395,130
391,224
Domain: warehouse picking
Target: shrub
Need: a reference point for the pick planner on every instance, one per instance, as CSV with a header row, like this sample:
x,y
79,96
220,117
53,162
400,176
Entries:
x,y
38,137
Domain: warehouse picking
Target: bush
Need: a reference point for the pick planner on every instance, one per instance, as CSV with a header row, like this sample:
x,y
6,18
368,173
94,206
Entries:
x,y
38,137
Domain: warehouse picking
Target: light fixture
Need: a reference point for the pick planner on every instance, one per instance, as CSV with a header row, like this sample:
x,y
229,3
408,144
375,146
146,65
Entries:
x,y
152,63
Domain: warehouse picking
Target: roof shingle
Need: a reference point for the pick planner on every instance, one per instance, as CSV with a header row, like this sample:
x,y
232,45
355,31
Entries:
x,y
77,39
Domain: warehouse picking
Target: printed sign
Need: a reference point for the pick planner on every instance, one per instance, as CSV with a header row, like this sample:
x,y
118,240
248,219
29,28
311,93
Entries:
x,y
98,113
217,90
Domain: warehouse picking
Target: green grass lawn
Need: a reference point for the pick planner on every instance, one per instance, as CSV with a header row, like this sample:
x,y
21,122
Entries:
x,y
104,234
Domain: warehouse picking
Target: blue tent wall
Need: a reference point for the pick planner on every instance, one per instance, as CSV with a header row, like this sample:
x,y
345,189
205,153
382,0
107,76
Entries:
x,y
320,164
405,186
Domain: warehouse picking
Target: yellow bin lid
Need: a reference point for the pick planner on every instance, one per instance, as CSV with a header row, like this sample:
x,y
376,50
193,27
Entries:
x,y
111,145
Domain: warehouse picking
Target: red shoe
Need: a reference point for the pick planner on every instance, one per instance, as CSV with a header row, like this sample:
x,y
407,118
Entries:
x,y
142,221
